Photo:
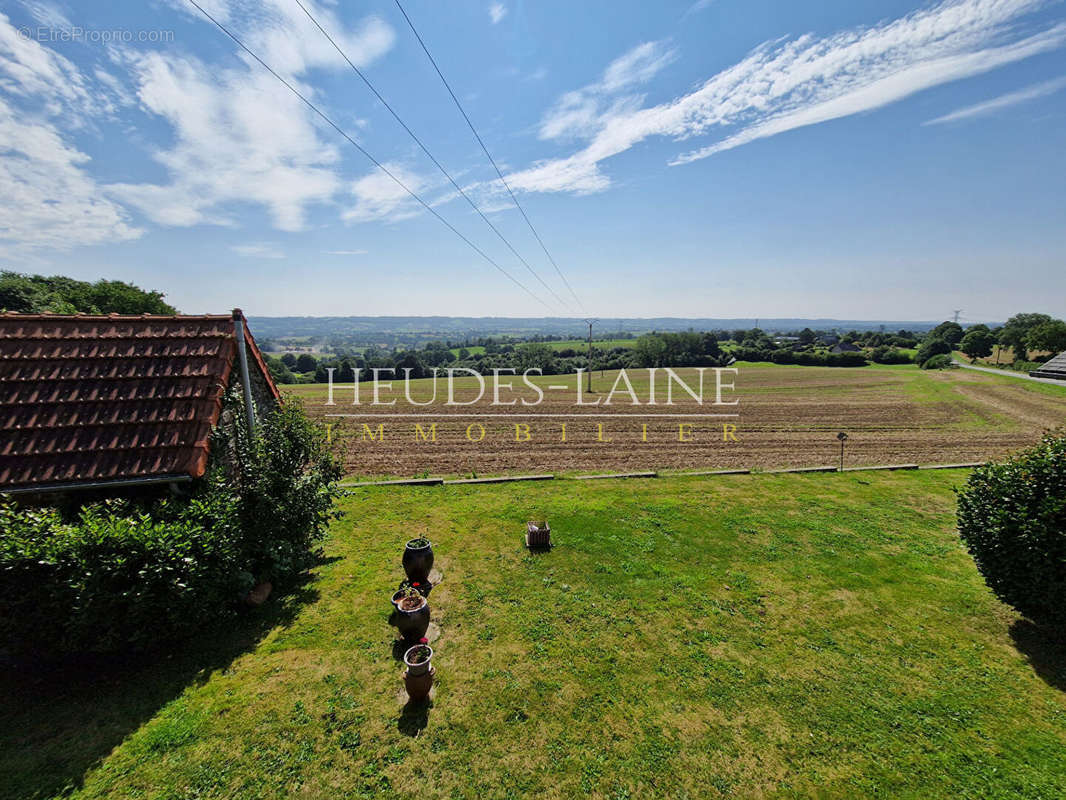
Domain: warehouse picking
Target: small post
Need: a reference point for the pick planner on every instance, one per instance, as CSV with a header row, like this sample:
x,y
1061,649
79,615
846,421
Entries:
x,y
246,381
590,322
843,437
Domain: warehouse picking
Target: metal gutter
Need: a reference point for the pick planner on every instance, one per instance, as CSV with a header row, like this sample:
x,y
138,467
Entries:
x,y
112,484
246,381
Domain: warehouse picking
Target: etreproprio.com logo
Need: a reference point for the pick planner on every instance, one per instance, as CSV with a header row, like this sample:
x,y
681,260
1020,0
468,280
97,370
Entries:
x,y
94,35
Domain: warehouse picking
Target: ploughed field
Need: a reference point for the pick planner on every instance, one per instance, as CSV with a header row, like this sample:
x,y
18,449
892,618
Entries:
x,y
690,637
786,416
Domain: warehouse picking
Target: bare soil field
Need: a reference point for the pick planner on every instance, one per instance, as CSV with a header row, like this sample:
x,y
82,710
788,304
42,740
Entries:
x,y
785,416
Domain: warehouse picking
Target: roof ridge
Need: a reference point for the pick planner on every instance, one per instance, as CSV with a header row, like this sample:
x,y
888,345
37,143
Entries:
x,y
82,317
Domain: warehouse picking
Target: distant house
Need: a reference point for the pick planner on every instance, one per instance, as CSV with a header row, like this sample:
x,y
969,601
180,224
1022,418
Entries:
x,y
115,402
828,339
845,347
1052,368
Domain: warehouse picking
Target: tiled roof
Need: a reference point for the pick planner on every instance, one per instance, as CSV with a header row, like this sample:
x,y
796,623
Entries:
x,y
1053,368
100,398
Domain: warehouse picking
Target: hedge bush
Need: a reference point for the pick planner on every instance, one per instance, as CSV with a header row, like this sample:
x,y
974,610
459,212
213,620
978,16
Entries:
x,y
889,355
130,573
942,361
1012,517
801,357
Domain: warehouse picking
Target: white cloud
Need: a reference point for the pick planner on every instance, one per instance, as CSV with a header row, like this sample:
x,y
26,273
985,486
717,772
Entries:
x,y
48,15
639,65
379,197
1034,92
582,112
282,35
31,71
698,6
240,135
788,84
345,252
47,198
258,250
497,11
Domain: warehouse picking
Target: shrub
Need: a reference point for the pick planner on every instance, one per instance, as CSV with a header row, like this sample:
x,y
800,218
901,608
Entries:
x,y
111,577
889,355
275,491
845,360
128,574
931,347
942,361
1012,518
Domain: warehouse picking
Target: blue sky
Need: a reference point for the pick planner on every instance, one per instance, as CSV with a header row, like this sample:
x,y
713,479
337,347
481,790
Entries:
x,y
723,158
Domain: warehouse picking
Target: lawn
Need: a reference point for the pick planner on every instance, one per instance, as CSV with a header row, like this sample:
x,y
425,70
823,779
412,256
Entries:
x,y
762,635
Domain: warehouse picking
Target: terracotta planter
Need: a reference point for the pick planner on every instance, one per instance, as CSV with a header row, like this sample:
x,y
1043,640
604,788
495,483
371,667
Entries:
x,y
538,535
259,595
412,620
418,561
416,668
418,686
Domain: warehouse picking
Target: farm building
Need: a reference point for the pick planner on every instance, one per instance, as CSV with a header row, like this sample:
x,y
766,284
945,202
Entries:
x,y
1052,368
118,402
845,347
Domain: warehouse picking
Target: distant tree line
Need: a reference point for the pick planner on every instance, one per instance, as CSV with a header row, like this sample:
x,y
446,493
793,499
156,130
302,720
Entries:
x,y
1024,334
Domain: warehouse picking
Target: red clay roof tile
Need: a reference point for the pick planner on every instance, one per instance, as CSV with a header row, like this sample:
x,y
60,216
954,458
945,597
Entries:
x,y
96,398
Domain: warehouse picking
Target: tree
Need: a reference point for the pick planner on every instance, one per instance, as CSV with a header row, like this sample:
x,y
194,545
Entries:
x,y
306,363
931,347
807,336
61,295
289,360
710,346
279,370
649,351
409,361
950,332
1048,336
1016,330
977,344
535,355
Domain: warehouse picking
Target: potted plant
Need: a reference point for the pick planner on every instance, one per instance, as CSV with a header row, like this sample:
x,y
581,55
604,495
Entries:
x,y
418,559
538,534
399,594
412,613
418,658
419,675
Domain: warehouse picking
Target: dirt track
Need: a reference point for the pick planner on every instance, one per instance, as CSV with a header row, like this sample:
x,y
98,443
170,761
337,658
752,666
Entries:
x,y
786,417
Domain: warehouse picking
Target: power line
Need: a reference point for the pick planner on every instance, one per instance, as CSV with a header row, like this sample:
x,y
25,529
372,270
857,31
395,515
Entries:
x,y
373,160
425,150
488,155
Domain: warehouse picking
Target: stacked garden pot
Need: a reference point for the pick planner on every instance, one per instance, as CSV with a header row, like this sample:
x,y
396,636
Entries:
x,y
418,560
418,677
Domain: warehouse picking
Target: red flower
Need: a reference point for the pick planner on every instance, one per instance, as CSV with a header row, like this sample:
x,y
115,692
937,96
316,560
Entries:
x,y
416,583
423,640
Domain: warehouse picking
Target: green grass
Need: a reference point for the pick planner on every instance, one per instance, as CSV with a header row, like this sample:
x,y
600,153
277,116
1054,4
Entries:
x,y
778,635
474,350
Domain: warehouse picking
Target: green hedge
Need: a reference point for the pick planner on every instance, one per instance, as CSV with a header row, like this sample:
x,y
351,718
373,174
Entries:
x,y
1012,517
122,573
